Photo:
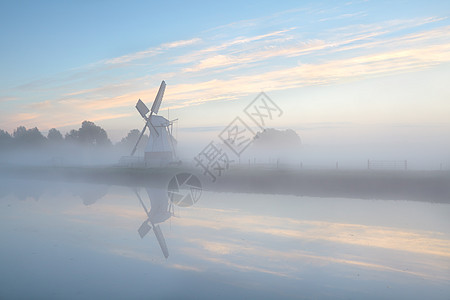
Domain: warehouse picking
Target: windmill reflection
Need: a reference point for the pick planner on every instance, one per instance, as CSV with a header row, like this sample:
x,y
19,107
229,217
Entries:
x,y
183,190
160,210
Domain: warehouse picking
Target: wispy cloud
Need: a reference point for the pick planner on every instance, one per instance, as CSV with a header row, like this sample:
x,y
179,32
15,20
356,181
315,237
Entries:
x,y
7,98
151,51
233,45
344,16
219,65
181,43
355,245
423,242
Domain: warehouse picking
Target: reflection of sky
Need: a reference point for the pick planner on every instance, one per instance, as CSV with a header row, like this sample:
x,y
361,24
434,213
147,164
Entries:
x,y
226,245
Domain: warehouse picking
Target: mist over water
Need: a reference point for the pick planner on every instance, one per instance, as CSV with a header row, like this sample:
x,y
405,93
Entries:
x,y
300,150
274,217
89,240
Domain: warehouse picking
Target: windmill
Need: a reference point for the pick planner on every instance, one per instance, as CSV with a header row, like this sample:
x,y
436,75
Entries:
x,y
161,144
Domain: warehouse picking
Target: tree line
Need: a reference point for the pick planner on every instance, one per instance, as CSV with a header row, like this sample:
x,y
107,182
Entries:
x,y
88,134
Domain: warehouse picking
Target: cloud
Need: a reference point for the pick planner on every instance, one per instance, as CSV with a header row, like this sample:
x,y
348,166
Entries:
x,y
40,105
292,260
425,248
181,43
221,66
423,242
151,51
301,48
344,16
27,119
198,92
180,95
371,247
8,99
216,57
230,45
134,56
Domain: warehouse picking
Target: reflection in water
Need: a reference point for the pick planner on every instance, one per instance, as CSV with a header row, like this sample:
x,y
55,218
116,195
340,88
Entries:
x,y
160,211
184,190
228,245
34,189
90,193
22,189
160,207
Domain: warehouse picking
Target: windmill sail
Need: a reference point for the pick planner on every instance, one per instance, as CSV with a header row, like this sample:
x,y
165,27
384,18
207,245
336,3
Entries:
x,y
162,242
158,99
160,147
139,139
144,229
142,108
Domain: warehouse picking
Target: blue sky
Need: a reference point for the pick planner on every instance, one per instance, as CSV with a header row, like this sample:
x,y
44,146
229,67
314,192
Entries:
x,y
341,71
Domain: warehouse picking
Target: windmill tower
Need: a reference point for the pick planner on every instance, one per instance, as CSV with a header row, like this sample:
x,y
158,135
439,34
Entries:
x,y
161,145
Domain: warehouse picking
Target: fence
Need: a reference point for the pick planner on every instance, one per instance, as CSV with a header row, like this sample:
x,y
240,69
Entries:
x,y
387,164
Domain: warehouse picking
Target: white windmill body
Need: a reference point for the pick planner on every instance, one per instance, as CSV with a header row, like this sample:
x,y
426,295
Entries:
x,y
161,143
160,149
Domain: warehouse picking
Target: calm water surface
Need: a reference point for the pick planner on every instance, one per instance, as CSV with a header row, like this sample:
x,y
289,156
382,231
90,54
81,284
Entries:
x,y
72,240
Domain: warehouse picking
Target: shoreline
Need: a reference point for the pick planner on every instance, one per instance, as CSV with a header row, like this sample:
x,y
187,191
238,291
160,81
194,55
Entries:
x,y
427,186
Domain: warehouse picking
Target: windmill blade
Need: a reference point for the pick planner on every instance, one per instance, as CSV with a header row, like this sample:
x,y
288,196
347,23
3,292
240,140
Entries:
x,y
158,99
144,229
162,242
142,109
142,203
139,139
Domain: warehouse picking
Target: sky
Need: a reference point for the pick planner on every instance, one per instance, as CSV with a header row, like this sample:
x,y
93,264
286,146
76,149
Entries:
x,y
368,72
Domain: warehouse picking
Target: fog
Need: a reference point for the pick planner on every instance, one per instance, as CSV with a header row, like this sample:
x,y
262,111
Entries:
x,y
77,236
82,218
225,150
283,210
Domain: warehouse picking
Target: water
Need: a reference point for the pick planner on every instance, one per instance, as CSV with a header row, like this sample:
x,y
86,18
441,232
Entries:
x,y
73,240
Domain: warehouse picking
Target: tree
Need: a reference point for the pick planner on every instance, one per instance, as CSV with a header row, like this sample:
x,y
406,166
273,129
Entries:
x,y
89,134
54,135
34,136
273,138
20,132
276,144
5,140
30,137
130,140
72,136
